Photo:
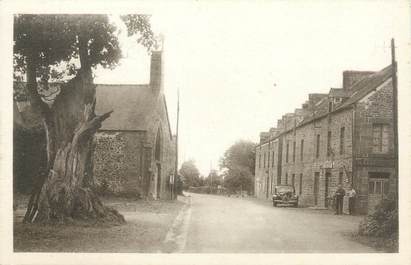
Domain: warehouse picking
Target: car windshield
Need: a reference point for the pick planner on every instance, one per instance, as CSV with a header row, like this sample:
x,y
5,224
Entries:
x,y
284,188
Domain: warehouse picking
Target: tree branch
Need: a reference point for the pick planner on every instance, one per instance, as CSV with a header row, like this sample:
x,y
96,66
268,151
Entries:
x,y
90,126
34,96
83,49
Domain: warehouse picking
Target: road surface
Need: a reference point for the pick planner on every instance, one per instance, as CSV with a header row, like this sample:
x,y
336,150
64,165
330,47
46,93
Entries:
x,y
218,224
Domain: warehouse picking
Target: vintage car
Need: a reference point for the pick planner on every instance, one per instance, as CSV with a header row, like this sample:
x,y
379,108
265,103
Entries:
x,y
285,194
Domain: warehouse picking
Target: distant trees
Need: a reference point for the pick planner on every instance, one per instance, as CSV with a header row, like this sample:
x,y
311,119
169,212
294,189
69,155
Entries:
x,y
238,165
213,179
190,175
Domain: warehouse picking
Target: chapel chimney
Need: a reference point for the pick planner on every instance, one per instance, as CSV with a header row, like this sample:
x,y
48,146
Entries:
x,y
156,71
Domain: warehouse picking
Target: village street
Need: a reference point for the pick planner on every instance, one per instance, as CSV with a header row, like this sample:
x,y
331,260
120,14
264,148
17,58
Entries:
x,y
198,223
216,224
171,131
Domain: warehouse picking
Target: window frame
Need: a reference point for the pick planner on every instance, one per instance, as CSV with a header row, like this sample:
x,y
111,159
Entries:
x,y
294,147
318,142
383,133
264,160
273,159
381,180
302,150
342,140
329,135
287,151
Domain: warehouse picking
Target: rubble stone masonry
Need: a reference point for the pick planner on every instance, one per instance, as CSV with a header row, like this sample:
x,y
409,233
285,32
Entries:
x,y
346,143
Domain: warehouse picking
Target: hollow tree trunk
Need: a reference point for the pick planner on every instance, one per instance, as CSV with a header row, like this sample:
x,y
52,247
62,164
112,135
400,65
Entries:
x,y
66,192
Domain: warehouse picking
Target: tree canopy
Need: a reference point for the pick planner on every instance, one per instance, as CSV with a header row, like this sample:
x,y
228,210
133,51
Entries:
x,y
238,165
213,179
53,40
190,174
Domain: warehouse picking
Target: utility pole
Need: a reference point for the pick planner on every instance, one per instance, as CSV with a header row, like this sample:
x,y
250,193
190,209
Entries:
x,y
211,176
176,165
395,115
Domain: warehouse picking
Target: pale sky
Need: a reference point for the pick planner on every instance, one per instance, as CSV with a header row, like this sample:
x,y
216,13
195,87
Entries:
x,y
241,66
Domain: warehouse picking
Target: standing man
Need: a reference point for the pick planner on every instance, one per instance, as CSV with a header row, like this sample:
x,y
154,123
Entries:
x,y
339,197
351,200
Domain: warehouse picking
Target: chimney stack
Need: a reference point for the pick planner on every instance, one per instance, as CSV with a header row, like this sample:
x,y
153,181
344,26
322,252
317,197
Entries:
x,y
264,136
156,72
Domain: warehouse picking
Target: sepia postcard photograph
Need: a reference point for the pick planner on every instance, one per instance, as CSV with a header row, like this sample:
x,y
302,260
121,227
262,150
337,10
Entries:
x,y
205,132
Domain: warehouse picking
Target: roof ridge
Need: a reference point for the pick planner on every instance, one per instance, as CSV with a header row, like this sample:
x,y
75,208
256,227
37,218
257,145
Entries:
x,y
359,89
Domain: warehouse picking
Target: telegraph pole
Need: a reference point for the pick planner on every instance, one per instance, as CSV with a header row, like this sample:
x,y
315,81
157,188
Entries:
x,y
395,115
211,177
176,165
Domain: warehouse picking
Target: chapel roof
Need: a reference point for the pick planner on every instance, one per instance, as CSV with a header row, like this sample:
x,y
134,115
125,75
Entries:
x,y
133,106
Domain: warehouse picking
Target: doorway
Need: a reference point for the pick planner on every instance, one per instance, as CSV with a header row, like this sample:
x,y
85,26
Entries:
x,y
327,181
316,186
158,188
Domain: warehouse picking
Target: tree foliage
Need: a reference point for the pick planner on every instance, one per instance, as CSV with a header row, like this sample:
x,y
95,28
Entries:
x,y
238,165
56,39
382,223
213,179
190,174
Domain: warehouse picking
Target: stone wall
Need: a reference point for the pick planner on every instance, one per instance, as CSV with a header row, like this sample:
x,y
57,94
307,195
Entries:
x,y
167,158
304,167
119,162
262,179
339,164
375,108
125,163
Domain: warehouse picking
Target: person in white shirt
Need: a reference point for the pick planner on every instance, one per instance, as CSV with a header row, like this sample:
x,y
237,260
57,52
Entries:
x,y
351,200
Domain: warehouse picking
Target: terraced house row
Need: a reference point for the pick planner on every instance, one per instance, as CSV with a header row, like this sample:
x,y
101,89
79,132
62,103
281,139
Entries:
x,y
343,137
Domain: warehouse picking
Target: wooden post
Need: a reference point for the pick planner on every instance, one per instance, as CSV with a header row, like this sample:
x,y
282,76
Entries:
x,y
395,115
176,165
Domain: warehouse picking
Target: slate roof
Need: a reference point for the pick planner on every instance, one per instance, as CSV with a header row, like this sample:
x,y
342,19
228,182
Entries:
x,y
356,92
353,94
339,93
364,86
133,106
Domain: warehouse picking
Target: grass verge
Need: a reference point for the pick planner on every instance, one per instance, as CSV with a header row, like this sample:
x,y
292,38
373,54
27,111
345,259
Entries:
x,y
146,227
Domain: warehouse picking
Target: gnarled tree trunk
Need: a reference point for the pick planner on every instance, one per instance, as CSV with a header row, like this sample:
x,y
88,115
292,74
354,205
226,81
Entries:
x,y
66,192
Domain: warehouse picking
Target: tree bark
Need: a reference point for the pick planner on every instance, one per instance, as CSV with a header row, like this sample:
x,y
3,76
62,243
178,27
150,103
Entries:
x,y
66,192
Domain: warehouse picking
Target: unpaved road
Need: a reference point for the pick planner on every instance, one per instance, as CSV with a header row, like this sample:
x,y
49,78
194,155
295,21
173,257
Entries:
x,y
222,224
147,225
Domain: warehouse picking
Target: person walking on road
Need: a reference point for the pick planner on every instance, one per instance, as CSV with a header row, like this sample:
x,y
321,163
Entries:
x,y
339,197
351,200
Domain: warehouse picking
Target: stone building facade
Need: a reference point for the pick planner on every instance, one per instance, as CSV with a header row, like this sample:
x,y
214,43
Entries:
x,y
135,149
343,137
